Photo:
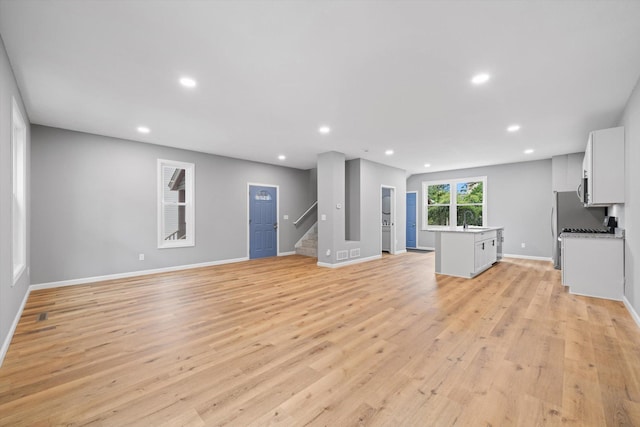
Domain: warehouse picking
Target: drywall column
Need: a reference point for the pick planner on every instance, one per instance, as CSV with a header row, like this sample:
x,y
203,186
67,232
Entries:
x,y
331,219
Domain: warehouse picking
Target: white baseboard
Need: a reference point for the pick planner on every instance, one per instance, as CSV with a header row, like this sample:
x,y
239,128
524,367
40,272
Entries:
x,y
538,258
286,253
94,279
582,294
425,248
350,262
14,325
631,310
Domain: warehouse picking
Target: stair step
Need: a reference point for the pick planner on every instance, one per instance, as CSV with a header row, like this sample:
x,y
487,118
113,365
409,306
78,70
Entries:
x,y
310,252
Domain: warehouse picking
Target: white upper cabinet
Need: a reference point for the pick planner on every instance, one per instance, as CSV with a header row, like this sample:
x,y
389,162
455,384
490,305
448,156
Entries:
x,y
603,168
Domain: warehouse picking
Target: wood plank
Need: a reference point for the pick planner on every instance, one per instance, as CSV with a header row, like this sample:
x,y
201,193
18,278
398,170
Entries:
x,y
283,342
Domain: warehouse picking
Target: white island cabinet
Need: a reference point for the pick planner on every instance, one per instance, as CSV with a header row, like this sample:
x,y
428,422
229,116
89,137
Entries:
x,y
467,252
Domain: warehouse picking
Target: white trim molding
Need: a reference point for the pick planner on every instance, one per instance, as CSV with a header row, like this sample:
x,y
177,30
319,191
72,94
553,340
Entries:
x,y
631,310
538,258
87,280
286,253
350,262
12,329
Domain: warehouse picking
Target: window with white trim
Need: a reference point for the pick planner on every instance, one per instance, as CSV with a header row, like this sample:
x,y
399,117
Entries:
x,y
19,194
454,201
176,219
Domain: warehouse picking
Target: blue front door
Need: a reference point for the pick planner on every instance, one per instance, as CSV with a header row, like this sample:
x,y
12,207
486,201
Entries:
x,y
263,221
411,220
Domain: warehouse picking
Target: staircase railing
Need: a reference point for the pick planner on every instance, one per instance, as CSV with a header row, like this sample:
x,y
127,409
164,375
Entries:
x,y
175,236
305,213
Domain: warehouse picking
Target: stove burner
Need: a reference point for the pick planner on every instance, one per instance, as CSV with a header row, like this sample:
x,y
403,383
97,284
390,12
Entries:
x,y
586,230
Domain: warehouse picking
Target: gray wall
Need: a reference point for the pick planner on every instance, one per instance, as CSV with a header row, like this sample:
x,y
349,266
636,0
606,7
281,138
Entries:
x,y
11,295
630,212
518,198
331,193
94,205
374,176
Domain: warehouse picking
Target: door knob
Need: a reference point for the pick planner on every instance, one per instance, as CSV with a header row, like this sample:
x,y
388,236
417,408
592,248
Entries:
x,y
275,225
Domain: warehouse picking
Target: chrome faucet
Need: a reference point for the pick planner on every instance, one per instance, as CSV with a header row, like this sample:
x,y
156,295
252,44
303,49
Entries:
x,y
464,218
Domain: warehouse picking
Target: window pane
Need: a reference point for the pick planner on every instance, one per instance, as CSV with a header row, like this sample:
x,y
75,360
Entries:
x,y
173,184
262,195
469,192
175,227
438,215
439,194
176,223
474,215
19,212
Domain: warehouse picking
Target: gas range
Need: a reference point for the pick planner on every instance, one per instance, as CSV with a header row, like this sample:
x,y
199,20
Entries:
x,y
587,230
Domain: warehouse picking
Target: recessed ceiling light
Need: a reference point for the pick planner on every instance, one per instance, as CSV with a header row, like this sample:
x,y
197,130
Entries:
x,y
528,151
427,165
513,128
143,129
479,79
388,152
187,82
324,130
282,157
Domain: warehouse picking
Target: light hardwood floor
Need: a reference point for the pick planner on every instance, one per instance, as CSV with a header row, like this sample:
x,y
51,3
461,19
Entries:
x,y
281,341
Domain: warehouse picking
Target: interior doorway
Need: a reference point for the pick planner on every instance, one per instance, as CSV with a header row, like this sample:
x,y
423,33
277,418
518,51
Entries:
x,y
388,219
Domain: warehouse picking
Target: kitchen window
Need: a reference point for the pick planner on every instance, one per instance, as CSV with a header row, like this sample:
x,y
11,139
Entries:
x,y
451,202
175,204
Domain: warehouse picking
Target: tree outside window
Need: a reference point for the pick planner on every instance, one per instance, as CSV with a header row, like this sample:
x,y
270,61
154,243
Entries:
x,y
451,202
438,204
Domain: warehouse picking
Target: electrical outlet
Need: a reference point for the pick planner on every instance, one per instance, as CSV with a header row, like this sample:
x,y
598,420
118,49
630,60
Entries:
x,y
141,257
523,245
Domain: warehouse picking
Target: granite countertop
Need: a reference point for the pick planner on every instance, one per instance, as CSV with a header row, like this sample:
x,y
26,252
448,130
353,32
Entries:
x,y
463,230
619,234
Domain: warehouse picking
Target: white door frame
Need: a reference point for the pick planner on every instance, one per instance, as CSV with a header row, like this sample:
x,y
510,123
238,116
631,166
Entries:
x,y
256,184
416,228
392,236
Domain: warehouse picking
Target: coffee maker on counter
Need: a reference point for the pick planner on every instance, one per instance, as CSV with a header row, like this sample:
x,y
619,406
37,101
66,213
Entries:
x,y
610,222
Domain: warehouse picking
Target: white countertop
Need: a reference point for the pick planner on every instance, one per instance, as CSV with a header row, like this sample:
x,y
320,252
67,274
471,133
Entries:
x,y
463,230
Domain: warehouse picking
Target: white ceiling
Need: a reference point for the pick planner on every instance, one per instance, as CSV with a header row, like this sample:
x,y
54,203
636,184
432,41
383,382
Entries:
x,y
382,74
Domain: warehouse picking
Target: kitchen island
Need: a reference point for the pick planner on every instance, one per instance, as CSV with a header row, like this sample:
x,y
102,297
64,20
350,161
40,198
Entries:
x,y
467,252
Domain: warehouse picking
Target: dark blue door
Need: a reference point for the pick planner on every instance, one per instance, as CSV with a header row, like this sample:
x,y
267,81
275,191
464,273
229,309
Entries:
x,y
263,221
411,220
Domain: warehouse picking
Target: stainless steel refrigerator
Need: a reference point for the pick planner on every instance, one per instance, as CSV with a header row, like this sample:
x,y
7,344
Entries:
x,y
569,212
